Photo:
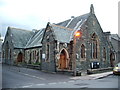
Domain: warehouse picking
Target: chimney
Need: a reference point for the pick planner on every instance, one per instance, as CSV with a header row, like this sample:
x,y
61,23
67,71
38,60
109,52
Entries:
x,y
34,30
72,17
92,9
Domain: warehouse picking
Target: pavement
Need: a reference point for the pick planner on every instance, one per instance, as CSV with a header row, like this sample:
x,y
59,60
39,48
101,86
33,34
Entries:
x,y
92,76
37,74
29,78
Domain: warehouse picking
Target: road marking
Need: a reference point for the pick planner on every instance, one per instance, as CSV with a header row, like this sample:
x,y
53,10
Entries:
x,y
26,86
71,81
40,84
60,82
32,76
64,82
52,83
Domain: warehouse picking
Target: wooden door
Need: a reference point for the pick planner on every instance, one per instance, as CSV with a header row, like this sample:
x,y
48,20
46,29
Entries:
x,y
63,59
20,57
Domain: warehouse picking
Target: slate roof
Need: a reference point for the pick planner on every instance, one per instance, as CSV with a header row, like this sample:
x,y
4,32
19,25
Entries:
x,y
74,23
115,45
36,39
0,44
62,34
20,37
115,36
64,30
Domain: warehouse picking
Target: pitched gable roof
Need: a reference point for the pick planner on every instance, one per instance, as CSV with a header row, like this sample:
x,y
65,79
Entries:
x,y
64,30
74,23
20,37
115,36
36,39
62,34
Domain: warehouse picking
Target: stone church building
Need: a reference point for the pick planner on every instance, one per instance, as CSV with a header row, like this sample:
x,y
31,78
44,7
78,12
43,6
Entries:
x,y
56,48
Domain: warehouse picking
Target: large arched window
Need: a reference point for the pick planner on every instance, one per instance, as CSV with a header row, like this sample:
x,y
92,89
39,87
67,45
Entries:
x,y
10,54
94,46
104,54
82,51
47,52
6,50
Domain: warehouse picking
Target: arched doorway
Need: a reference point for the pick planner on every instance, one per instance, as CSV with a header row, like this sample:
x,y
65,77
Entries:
x,y
112,59
63,61
20,57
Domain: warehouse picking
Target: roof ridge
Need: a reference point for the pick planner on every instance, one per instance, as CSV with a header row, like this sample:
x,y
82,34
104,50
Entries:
x,y
39,33
74,17
62,27
19,29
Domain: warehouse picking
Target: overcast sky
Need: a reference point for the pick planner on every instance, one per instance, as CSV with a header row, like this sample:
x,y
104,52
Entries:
x,y
34,14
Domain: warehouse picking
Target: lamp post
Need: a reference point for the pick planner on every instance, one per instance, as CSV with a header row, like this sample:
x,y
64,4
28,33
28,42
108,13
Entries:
x,y
76,35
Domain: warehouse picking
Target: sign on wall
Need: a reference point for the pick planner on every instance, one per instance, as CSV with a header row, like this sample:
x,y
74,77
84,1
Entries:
x,y
43,56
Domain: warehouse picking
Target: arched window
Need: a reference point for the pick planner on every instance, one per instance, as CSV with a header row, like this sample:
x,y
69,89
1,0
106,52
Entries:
x,y
6,50
3,54
47,52
35,55
94,46
82,51
104,53
30,58
10,54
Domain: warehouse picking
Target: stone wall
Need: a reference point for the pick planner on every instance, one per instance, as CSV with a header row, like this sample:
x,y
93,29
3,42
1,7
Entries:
x,y
92,26
48,52
33,55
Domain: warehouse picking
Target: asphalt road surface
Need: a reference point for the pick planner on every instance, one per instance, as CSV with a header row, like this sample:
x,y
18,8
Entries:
x,y
16,77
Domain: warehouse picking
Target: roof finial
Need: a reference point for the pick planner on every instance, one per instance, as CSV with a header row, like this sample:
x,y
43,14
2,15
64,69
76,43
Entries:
x,y
92,9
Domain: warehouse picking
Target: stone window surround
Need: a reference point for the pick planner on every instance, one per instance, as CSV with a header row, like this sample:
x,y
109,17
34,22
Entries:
x,y
47,52
95,51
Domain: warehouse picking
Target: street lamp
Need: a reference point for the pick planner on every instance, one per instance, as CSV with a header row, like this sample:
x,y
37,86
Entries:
x,y
77,34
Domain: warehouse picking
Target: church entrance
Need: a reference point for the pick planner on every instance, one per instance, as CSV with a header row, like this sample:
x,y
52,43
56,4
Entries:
x,y
112,59
63,61
20,57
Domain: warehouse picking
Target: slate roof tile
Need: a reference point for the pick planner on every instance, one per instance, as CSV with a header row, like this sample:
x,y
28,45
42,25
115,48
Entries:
x,y
115,36
62,34
20,37
36,39
73,23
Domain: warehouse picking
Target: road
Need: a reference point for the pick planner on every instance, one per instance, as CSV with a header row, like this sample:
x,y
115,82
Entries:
x,y
0,76
16,77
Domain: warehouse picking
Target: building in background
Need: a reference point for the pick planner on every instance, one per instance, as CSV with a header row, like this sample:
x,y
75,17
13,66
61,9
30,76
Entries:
x,y
1,48
115,40
14,44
